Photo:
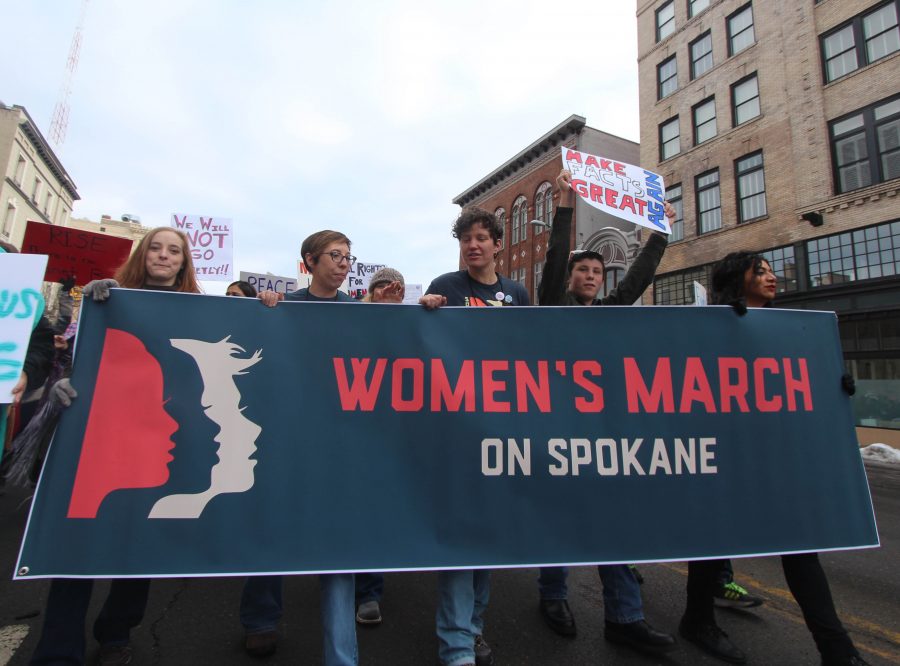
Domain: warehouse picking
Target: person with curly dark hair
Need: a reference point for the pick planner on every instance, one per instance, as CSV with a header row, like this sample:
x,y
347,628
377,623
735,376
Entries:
x,y
746,280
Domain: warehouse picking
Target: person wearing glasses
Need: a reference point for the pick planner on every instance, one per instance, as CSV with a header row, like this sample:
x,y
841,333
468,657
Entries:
x,y
575,278
327,256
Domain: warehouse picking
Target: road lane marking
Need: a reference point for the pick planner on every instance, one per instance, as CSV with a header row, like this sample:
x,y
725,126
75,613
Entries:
x,y
11,638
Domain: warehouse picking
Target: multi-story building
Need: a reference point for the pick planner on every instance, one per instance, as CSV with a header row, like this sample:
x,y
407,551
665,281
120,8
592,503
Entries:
x,y
776,126
128,227
35,185
520,193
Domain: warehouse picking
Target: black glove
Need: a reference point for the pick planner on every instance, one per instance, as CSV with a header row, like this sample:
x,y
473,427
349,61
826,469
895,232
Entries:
x,y
67,284
739,306
848,383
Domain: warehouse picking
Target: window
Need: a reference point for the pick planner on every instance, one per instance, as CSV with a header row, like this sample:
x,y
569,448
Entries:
x,y
745,100
47,200
673,195
696,6
665,20
678,288
701,54
751,187
36,189
709,202
669,139
543,206
784,265
865,146
519,213
667,77
862,40
9,218
740,30
611,279
19,174
704,121
522,276
863,254
538,272
500,214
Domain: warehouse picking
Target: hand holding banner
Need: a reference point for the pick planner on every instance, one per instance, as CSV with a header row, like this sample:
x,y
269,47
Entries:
x,y
623,190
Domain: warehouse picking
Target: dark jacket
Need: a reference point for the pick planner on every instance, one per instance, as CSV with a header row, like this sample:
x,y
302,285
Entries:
x,y
40,354
552,290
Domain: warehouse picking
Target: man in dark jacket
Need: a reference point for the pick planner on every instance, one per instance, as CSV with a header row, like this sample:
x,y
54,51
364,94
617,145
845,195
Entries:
x,y
576,279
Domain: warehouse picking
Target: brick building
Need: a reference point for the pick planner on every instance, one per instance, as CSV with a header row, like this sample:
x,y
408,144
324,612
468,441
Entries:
x,y
776,126
520,191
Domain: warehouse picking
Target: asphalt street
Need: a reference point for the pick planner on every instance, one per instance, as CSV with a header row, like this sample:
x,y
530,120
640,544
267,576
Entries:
x,y
195,621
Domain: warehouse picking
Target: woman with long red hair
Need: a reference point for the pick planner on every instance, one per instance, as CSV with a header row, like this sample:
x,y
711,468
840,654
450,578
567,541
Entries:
x,y
161,262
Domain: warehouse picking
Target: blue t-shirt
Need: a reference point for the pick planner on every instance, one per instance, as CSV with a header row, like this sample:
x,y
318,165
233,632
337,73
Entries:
x,y
460,288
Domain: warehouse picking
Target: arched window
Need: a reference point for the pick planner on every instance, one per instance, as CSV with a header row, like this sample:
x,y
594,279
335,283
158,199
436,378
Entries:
x,y
519,220
543,206
500,214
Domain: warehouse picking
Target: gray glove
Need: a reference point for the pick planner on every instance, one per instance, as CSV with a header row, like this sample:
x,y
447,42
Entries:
x,y
62,392
98,290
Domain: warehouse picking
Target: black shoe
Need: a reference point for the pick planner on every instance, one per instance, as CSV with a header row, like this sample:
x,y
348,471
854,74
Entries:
x,y
558,616
640,636
483,655
709,637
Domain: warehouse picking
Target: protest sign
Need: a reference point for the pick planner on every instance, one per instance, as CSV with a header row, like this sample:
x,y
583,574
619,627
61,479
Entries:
x,y
413,293
210,241
623,190
359,276
267,281
74,252
700,297
198,414
20,303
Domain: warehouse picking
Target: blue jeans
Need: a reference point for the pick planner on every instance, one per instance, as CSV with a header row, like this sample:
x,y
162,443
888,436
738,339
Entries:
x,y
552,583
369,587
62,635
261,608
462,597
621,591
621,594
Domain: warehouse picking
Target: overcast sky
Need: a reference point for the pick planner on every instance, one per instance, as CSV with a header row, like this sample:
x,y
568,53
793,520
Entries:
x,y
293,116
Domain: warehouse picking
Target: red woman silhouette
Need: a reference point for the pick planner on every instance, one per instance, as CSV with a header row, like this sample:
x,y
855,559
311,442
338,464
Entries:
x,y
127,442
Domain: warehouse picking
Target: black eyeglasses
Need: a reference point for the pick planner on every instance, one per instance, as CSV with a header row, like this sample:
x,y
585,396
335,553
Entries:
x,y
339,258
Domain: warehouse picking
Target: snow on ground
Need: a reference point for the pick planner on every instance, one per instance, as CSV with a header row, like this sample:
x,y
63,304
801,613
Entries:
x,y
880,453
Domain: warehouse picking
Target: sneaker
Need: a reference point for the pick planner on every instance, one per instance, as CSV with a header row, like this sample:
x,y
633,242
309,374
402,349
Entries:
x,y
261,644
369,612
483,656
732,595
115,655
709,637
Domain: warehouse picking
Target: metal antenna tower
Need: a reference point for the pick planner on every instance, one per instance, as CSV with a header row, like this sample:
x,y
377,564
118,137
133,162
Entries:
x,y
59,122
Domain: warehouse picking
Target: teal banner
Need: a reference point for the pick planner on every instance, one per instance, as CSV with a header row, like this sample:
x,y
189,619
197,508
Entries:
x,y
215,436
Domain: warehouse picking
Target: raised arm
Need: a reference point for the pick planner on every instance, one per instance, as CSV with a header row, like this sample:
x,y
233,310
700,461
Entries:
x,y
552,290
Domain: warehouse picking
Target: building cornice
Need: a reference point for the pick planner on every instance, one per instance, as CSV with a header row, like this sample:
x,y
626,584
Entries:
x,y
29,127
574,124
